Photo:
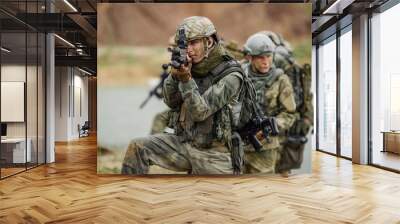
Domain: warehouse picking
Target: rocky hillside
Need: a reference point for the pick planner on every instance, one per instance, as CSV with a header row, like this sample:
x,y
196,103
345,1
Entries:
x,y
151,24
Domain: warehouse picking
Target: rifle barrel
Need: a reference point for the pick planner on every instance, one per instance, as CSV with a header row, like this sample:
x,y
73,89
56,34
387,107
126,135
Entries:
x,y
145,101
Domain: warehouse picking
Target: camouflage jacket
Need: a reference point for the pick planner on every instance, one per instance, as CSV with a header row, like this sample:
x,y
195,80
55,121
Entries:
x,y
203,107
275,97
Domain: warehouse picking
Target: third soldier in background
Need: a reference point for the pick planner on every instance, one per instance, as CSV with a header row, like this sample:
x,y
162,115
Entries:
x,y
275,97
300,76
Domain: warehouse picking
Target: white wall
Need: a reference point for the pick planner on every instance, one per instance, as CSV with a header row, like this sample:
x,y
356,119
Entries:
x,y
70,84
16,73
33,126
80,109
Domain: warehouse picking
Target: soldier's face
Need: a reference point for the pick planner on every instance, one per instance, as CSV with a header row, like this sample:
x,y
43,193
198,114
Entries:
x,y
196,50
261,63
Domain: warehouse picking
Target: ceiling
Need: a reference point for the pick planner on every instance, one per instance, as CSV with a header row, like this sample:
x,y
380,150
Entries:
x,y
76,22
330,15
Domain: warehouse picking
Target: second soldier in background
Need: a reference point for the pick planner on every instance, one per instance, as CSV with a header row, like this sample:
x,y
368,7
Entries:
x,y
275,98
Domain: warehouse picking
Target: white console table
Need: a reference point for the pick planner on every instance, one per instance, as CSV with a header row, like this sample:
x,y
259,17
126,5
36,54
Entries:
x,y
17,147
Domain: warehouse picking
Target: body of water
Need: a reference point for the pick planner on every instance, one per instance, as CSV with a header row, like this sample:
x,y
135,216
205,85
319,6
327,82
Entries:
x,y
119,118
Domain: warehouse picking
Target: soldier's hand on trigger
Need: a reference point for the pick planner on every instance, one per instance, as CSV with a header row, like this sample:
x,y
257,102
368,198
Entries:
x,y
183,73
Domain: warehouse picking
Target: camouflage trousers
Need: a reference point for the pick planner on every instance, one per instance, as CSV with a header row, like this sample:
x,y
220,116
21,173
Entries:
x,y
262,162
160,122
169,152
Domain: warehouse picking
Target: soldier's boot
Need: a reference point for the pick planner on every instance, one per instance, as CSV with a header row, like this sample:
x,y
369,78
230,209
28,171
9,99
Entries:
x,y
127,169
285,173
135,161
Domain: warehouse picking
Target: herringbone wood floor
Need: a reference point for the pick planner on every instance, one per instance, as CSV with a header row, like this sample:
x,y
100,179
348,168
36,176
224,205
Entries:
x,y
70,191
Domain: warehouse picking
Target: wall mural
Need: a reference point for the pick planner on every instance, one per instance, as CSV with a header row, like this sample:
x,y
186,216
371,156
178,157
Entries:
x,y
204,89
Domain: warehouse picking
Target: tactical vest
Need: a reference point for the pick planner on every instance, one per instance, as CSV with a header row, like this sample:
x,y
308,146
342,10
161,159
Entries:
x,y
218,126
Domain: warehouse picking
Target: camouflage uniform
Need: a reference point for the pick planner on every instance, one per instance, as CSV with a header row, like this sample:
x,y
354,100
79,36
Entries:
x,y
160,122
203,123
300,76
275,98
162,119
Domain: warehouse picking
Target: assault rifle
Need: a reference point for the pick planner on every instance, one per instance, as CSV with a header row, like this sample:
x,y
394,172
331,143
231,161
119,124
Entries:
x,y
248,134
157,90
249,131
179,53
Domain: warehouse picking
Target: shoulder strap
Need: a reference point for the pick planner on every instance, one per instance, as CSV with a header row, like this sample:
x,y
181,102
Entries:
x,y
279,71
276,73
225,68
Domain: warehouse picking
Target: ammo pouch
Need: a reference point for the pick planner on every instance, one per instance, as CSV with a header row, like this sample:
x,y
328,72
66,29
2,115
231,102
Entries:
x,y
299,128
174,121
292,154
202,136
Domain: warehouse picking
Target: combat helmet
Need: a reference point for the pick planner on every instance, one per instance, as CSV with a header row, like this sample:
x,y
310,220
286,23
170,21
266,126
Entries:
x,y
283,56
259,44
278,40
196,27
